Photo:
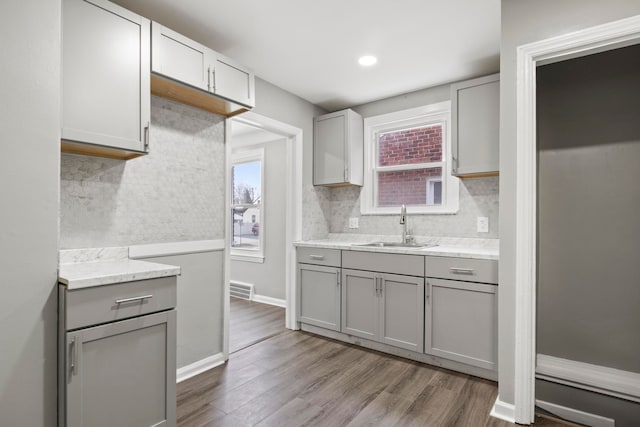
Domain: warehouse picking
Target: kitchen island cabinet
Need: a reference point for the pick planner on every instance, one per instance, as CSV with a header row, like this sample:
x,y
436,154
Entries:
x,y
106,97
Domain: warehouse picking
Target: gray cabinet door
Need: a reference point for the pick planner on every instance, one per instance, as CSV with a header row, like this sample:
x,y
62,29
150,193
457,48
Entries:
x,y
179,58
360,303
475,126
402,311
329,149
105,75
122,373
319,293
461,322
233,81
338,149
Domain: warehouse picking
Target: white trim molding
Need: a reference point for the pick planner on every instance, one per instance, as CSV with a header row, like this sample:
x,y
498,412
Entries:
x,y
199,367
529,56
175,248
503,411
601,379
570,414
278,302
293,209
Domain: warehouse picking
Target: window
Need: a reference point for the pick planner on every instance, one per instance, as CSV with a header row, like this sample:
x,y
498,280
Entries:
x,y
407,161
247,237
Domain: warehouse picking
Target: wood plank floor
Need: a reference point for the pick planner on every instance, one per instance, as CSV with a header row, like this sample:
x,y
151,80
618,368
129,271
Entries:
x,y
296,378
252,322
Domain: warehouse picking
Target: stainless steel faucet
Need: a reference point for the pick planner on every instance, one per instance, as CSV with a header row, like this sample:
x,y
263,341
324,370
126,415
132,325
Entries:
x,y
403,221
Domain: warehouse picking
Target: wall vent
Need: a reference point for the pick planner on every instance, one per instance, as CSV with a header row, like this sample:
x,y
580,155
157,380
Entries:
x,y
241,290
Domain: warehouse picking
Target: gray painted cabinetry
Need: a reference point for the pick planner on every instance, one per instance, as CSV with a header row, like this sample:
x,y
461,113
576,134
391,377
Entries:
x,y
338,149
319,283
380,305
188,62
461,314
105,78
475,112
428,308
117,354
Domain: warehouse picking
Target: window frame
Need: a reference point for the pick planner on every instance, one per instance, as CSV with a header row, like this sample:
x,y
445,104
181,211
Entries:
x,y
411,118
244,254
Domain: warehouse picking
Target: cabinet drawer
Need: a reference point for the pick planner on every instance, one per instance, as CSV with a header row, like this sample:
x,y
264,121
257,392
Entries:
x,y
408,265
319,256
465,269
100,304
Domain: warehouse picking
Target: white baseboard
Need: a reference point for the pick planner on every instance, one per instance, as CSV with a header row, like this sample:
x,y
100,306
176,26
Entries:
x,y
199,367
504,411
575,416
601,379
269,300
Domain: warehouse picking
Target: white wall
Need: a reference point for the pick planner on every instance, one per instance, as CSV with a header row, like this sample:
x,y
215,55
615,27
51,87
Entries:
x,y
278,104
269,277
200,298
525,22
29,162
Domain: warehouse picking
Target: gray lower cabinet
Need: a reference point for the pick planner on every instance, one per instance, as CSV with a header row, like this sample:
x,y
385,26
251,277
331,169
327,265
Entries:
x,y
319,295
383,307
461,314
121,372
105,79
319,283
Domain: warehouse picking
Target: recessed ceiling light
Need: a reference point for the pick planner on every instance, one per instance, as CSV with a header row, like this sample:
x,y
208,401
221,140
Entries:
x,y
367,60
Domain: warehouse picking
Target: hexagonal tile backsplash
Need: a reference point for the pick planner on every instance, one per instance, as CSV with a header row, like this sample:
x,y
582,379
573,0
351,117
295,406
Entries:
x,y
175,193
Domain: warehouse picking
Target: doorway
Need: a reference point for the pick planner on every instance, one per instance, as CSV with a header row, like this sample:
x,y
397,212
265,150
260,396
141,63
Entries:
x,y
578,44
263,158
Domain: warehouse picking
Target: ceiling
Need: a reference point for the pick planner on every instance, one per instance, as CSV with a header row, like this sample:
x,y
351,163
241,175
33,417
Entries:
x,y
310,48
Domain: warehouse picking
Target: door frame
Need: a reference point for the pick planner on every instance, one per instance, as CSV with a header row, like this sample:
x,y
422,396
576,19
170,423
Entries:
x,y
616,34
293,212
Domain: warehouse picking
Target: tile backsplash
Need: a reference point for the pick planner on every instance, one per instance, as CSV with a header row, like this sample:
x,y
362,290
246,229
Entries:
x,y
175,193
478,197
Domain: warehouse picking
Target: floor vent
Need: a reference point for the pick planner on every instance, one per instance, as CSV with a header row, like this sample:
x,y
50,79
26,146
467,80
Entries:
x,y
241,290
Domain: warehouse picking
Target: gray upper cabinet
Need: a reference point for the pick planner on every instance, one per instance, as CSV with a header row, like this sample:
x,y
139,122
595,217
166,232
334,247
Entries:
x,y
180,65
475,114
105,79
233,81
179,58
338,149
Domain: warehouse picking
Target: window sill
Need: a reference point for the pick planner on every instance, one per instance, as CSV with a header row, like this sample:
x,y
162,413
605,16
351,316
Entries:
x,y
247,258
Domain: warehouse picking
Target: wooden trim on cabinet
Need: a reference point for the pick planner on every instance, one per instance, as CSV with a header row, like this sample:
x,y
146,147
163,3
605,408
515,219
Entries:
x,y
184,94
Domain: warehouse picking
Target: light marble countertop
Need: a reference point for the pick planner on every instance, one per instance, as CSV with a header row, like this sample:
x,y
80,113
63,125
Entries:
x,y
83,268
446,246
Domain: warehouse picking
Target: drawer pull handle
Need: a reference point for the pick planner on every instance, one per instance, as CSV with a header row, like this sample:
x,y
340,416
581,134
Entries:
x,y
318,257
457,270
74,355
142,298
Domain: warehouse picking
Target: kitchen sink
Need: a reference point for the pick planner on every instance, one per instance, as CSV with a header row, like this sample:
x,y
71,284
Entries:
x,y
394,245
